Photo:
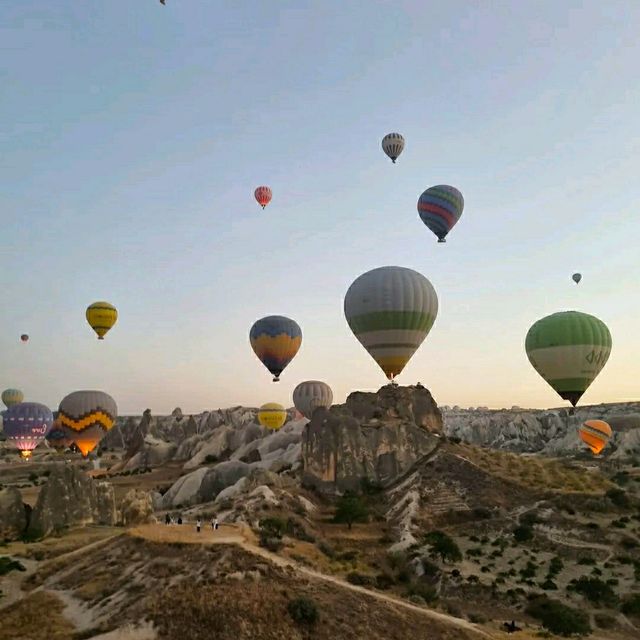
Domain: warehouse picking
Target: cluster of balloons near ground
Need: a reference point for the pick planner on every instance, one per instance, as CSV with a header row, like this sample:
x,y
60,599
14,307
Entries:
x,y
390,310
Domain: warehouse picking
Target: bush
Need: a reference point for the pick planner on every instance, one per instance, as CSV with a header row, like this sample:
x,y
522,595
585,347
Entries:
x,y
384,581
303,611
555,566
619,498
604,620
7,565
596,591
631,605
327,549
548,585
558,618
523,534
350,508
359,578
430,569
271,532
482,513
586,560
424,591
476,618
444,546
211,459
529,571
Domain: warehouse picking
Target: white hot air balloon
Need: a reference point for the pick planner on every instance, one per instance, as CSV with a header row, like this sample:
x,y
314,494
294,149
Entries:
x,y
392,145
310,395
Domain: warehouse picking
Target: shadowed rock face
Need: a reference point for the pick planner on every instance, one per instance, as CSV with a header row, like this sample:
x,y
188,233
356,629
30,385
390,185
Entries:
x,y
373,436
71,498
13,516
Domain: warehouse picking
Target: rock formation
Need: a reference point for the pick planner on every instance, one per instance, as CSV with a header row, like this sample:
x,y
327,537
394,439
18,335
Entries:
x,y
373,436
13,515
137,508
71,498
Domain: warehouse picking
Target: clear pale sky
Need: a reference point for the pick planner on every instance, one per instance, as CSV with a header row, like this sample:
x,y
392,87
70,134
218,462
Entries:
x,y
133,134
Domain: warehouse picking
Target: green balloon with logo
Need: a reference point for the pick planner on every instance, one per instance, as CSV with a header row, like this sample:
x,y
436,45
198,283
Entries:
x,y
569,349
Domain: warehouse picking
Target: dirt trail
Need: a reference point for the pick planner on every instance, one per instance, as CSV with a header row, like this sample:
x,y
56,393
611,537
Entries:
x,y
242,536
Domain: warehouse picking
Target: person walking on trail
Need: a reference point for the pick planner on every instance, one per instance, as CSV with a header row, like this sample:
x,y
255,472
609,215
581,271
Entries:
x,y
179,519
215,524
198,525
167,519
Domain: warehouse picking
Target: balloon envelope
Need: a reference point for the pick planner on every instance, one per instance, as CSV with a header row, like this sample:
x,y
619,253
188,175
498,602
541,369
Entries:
x,y
310,395
440,207
26,425
272,415
11,397
576,277
101,316
596,434
568,349
391,311
263,195
86,416
275,340
392,145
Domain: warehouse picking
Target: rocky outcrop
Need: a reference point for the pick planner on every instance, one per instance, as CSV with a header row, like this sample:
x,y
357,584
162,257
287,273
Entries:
x,y
373,436
71,498
137,508
551,431
13,515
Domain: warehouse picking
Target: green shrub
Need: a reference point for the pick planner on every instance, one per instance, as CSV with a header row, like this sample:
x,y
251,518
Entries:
x,y
351,508
587,560
604,620
7,565
211,459
359,578
430,569
529,571
548,585
596,591
425,591
631,605
619,498
476,618
303,611
555,566
327,549
444,546
384,581
558,618
523,534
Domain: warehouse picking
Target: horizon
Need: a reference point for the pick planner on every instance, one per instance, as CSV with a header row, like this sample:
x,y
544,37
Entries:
x,y
136,136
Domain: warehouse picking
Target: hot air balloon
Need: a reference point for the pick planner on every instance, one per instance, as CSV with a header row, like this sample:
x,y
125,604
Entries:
x,y
391,311
58,438
263,195
24,337
272,415
596,434
310,395
440,208
576,277
26,425
86,416
275,340
11,397
392,145
568,349
101,316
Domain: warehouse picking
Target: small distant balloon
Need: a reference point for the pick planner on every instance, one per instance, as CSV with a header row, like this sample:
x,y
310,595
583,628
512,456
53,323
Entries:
x,y
440,208
596,434
310,395
101,316
11,397
263,195
576,277
272,415
392,145
24,337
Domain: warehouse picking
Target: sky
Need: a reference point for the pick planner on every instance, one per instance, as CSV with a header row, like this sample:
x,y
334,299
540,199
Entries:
x,y
132,136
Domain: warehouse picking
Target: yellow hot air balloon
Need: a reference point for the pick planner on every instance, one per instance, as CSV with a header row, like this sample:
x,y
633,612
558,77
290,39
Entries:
x,y
272,415
596,434
101,316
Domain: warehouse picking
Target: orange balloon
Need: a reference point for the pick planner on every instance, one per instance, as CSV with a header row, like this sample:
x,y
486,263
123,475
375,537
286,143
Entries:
x,y
596,434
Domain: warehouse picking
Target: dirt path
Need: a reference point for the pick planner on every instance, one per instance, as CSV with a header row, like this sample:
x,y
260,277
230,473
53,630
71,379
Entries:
x,y
242,536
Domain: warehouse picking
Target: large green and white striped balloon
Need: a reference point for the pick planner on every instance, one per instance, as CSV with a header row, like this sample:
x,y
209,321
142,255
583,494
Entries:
x,y
569,349
391,310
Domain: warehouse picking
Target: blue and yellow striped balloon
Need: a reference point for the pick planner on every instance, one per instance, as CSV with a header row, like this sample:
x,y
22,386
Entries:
x,y
440,207
275,340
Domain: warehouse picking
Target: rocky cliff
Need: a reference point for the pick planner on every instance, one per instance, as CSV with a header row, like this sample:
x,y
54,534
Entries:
x,y
373,436
551,431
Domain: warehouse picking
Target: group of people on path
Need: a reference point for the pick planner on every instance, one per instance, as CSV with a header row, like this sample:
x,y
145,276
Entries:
x,y
168,519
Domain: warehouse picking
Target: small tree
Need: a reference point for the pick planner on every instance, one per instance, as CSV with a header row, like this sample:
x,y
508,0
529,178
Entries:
x,y
444,546
351,508
558,618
